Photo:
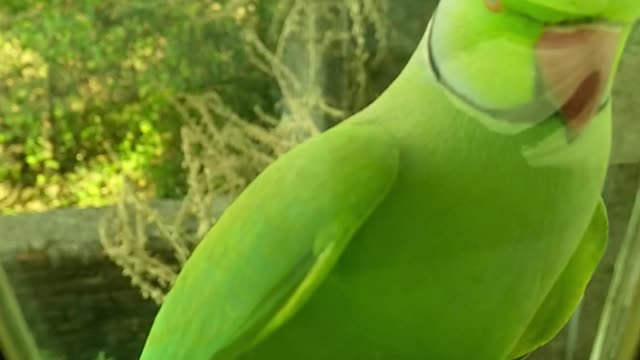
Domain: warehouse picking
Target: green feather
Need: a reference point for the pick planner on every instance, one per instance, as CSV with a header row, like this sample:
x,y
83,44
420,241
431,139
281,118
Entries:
x,y
567,292
272,247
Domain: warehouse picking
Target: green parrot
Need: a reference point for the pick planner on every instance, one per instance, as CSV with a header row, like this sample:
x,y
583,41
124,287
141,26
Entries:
x,y
458,216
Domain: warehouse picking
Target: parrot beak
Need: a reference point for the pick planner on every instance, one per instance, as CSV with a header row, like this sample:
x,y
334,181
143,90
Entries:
x,y
576,64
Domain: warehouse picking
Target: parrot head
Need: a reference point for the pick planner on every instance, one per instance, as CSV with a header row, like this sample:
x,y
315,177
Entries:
x,y
519,63
557,11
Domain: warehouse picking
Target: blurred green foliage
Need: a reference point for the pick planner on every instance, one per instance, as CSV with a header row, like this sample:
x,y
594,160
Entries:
x,y
85,89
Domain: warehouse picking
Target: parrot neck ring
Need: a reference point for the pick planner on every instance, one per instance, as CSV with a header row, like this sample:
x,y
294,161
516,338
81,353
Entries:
x,y
561,72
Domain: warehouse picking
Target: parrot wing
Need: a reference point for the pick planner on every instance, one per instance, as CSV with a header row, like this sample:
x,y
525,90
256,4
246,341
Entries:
x,y
275,244
566,294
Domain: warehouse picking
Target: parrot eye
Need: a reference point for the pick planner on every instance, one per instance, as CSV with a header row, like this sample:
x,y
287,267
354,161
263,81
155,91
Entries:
x,y
493,5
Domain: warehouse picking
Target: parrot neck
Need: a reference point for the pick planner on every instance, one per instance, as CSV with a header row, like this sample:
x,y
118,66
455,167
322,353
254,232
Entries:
x,y
516,115
513,73
422,105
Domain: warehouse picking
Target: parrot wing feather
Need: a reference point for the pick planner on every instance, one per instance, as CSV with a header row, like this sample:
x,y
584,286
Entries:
x,y
275,244
566,294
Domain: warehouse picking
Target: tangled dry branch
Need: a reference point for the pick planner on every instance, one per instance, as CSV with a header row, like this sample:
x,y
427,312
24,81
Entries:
x,y
223,151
